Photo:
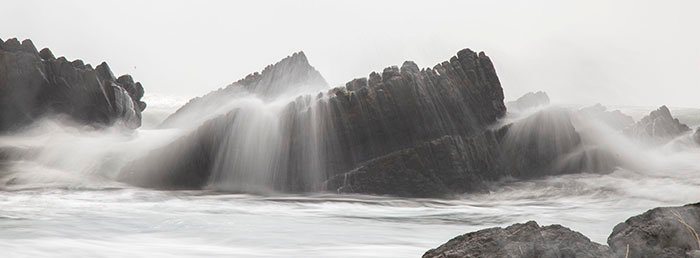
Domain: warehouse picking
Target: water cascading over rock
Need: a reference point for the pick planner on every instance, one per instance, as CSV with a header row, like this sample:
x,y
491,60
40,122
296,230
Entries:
x,y
406,131
35,83
291,76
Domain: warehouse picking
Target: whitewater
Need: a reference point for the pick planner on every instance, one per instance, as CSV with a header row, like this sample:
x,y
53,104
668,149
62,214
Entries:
x,y
61,201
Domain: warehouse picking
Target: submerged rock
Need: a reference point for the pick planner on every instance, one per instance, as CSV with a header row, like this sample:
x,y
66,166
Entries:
x,y
521,240
292,75
528,101
34,84
658,126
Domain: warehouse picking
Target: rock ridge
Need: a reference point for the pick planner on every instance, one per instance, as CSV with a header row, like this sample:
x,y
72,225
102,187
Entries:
x,y
36,83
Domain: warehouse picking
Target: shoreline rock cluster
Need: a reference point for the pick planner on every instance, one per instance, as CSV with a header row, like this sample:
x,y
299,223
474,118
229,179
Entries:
x,y
405,131
665,232
34,84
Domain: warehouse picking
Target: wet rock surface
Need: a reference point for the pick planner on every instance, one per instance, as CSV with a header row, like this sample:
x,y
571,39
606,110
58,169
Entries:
x,y
660,232
35,83
405,131
658,126
521,240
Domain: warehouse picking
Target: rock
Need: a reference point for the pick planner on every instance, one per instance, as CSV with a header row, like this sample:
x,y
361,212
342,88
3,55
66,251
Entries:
x,y
528,101
406,132
34,84
659,126
532,146
615,119
12,45
660,232
46,54
397,110
291,75
445,166
521,240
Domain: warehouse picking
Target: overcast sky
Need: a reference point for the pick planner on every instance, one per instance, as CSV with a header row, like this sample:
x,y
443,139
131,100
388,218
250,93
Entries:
x,y
614,52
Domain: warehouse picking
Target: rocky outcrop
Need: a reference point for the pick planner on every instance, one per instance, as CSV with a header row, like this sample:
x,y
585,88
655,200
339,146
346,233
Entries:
x,y
398,109
615,119
543,144
447,165
528,101
658,126
521,240
661,232
35,83
292,75
405,131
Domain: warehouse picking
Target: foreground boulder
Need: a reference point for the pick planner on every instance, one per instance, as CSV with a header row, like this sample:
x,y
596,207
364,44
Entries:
x,y
34,84
527,240
660,233
659,126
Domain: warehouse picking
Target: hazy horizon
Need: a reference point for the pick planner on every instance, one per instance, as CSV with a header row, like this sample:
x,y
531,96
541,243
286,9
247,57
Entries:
x,y
636,53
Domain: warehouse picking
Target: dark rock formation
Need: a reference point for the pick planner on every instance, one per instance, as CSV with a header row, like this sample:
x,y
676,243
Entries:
x,y
658,126
406,131
291,75
661,232
447,165
33,84
615,119
441,111
528,101
521,240
531,147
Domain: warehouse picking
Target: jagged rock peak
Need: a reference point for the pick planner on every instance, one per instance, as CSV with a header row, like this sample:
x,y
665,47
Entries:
x,y
37,83
293,65
615,119
293,75
529,100
658,126
46,54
